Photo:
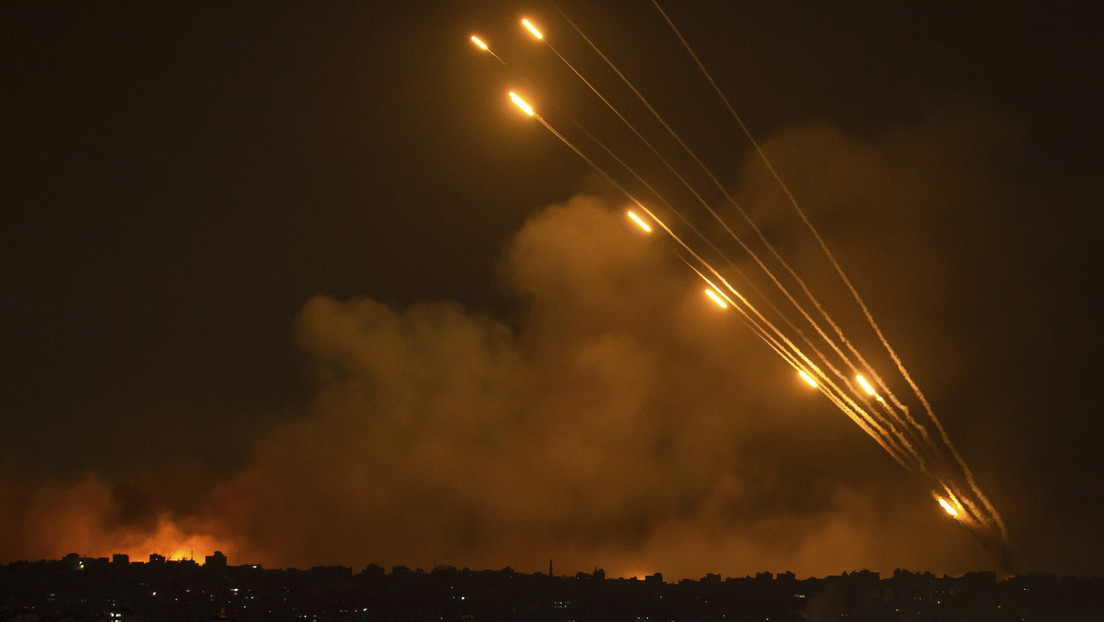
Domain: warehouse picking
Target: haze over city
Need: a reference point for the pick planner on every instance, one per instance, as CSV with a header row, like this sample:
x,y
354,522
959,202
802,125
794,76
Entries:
x,y
301,284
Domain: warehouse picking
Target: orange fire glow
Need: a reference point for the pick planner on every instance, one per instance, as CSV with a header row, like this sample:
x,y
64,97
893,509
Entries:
x,y
174,543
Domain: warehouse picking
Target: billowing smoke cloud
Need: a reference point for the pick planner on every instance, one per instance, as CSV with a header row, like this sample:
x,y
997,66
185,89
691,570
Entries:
x,y
622,421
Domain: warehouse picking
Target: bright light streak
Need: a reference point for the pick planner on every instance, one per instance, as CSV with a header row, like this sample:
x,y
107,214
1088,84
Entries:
x,y
532,29
639,221
864,384
807,378
947,506
521,104
716,298
480,44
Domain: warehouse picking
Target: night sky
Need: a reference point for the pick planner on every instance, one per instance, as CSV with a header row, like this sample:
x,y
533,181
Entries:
x,y
296,281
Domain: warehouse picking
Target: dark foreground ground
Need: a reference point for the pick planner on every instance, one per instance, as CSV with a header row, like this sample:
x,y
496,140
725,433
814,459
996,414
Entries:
x,y
76,588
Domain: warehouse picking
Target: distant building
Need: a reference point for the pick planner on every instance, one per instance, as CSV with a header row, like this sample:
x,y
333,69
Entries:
x,y
120,559
156,559
216,560
374,571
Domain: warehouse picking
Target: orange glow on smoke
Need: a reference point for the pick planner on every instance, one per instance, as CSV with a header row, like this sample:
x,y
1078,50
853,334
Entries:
x,y
174,543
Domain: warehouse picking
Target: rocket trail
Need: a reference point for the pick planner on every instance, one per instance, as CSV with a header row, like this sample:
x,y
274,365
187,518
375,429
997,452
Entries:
x,y
816,234
990,510
900,450
683,180
483,46
639,221
521,104
832,364
755,257
531,28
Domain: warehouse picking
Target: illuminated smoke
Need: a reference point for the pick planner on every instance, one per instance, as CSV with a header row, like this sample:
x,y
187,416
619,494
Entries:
x,y
799,327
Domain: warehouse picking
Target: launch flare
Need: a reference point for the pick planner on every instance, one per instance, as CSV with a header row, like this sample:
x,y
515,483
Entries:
x,y
532,28
640,221
521,104
948,507
716,298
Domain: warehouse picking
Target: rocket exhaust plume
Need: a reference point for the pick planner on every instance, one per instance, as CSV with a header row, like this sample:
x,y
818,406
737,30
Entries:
x,y
483,46
807,378
640,221
533,29
796,325
716,298
948,507
521,104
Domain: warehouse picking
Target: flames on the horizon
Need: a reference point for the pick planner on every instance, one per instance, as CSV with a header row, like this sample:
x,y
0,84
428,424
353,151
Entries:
x,y
173,541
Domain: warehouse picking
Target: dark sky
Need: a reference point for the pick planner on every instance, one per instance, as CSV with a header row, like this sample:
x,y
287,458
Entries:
x,y
296,280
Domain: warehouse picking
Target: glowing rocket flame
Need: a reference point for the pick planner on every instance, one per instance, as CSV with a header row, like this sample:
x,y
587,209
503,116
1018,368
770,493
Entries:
x,y
480,44
521,104
639,221
947,506
532,29
891,426
864,384
716,298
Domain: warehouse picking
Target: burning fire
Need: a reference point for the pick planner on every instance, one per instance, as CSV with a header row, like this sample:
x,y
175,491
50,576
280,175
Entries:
x,y
174,543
